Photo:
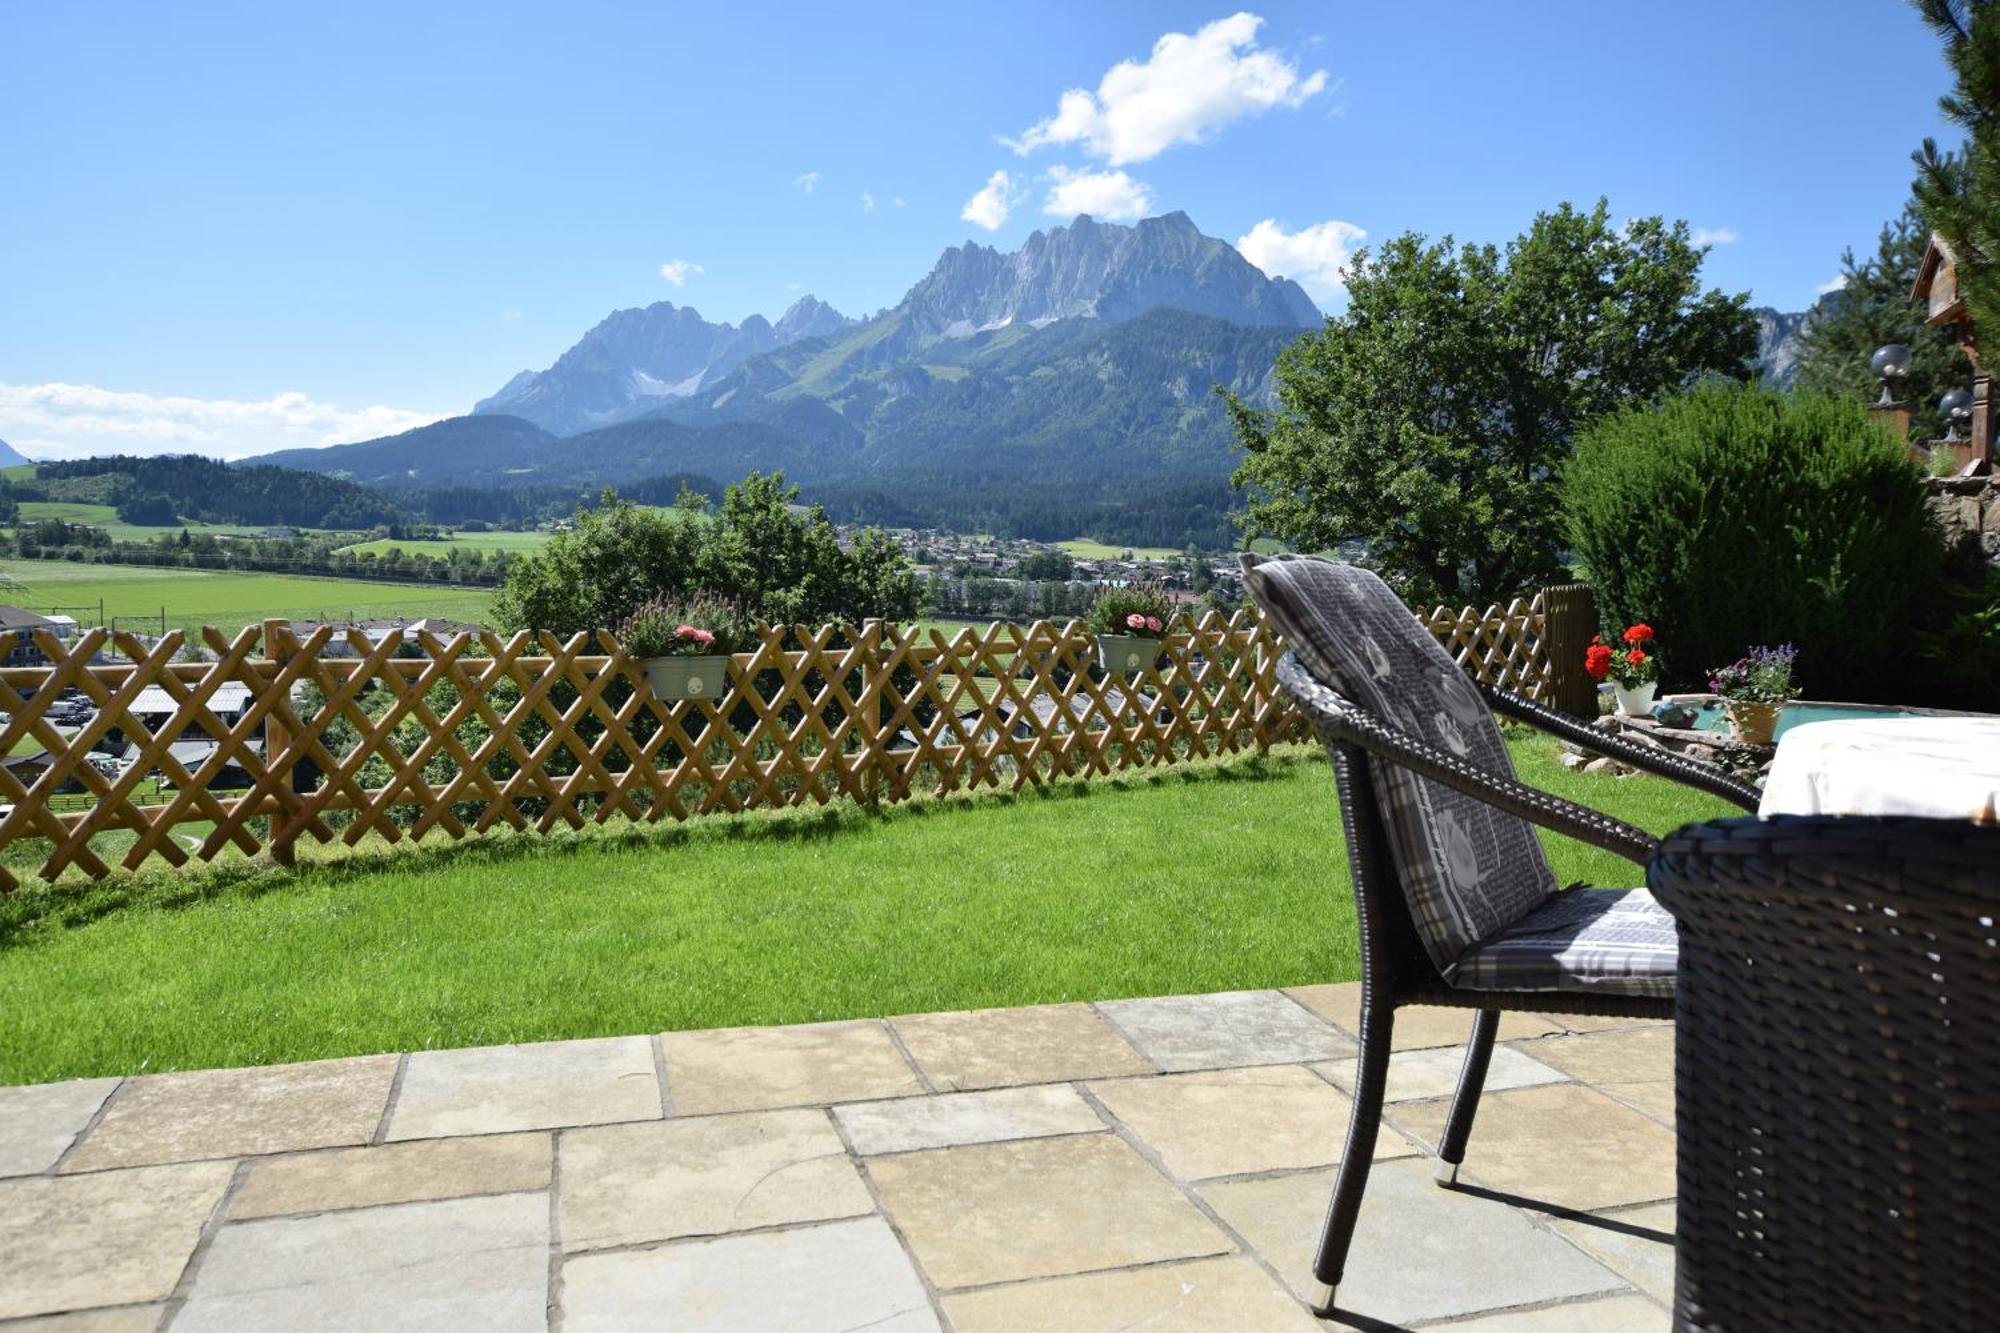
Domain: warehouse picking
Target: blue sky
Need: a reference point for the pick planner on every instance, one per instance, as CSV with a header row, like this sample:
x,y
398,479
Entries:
x,y
237,227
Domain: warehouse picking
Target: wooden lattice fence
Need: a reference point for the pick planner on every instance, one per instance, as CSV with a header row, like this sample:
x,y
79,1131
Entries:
x,y
341,737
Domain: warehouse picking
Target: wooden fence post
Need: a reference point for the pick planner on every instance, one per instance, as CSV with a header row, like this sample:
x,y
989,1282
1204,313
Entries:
x,y
1569,619
278,647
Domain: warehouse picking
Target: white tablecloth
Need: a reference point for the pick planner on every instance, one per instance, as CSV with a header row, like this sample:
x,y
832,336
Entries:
x,y
1943,767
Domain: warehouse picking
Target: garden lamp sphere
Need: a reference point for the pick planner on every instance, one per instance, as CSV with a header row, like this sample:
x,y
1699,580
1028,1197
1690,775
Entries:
x,y
1956,405
1890,362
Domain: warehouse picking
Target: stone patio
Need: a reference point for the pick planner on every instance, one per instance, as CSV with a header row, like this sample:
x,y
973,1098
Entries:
x,y
1160,1163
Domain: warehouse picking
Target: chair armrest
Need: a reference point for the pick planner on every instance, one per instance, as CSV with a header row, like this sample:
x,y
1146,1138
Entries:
x,y
1337,719
1679,768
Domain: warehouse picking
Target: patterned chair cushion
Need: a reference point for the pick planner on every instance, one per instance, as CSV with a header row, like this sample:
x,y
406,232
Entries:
x,y
1467,869
1600,940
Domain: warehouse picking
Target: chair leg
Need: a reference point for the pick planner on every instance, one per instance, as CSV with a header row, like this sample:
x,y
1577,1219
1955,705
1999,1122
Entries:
x,y
1465,1102
1371,1076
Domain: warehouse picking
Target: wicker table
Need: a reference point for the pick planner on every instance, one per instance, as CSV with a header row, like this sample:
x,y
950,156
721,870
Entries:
x,y
1940,767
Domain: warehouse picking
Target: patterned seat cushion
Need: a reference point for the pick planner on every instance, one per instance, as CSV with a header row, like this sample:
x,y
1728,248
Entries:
x,y
1605,941
1467,869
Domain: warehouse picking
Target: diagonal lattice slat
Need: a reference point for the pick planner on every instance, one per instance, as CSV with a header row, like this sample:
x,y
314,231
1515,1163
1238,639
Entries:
x,y
344,737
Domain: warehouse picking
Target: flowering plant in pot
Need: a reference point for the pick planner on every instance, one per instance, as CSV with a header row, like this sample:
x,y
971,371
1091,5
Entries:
x,y
1632,668
684,644
1756,688
1130,623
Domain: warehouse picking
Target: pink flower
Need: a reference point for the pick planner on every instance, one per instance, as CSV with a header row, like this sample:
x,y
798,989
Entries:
x,y
1153,624
1135,621
699,636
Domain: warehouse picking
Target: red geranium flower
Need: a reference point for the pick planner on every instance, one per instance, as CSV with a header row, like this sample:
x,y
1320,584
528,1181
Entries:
x,y
1638,634
1636,658
1597,661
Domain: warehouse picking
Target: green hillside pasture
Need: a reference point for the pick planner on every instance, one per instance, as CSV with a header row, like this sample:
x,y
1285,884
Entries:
x,y
230,599
106,517
511,542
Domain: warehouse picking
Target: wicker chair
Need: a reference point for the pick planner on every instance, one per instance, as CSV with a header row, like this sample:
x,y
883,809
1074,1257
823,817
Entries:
x,y
1837,1072
1522,946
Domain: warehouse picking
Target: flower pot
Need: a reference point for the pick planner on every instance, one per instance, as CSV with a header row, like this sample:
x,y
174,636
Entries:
x,y
1636,700
688,677
1754,723
1126,652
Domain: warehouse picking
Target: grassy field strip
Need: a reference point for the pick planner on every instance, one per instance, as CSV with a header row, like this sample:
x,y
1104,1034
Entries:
x,y
230,599
511,542
106,517
1214,878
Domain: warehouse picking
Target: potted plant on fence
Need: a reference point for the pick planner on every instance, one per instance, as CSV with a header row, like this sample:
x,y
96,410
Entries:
x,y
1130,623
1756,689
684,643
1634,670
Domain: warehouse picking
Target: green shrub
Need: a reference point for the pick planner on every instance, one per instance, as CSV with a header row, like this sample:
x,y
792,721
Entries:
x,y
1734,515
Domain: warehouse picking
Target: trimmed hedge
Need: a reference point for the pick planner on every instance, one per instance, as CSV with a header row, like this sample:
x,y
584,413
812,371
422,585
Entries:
x,y
1735,515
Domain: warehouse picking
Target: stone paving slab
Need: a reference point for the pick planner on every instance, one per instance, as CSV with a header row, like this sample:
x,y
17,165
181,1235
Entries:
x,y
911,1124
1002,1212
1231,1122
1613,1314
827,1279
546,1085
1420,1252
124,1319
1416,1026
756,1069
1632,1065
456,1263
992,1048
1188,1032
1228,1295
393,1173
1433,1072
628,1184
38,1123
111,1238
1561,1144
828,1176
238,1113
1635,1243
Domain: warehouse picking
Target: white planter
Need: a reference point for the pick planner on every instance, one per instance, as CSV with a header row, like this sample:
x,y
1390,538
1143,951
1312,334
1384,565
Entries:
x,y
1126,652
1636,702
688,677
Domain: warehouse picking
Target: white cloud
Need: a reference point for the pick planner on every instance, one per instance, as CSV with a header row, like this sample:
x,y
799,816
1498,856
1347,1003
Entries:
x,y
1312,256
678,271
510,314
995,200
78,420
1104,194
1714,236
897,201
1832,285
809,181
867,202
1188,89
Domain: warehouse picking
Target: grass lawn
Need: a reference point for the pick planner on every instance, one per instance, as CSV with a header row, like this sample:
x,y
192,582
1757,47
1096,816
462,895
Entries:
x,y
1203,879
513,542
230,599
1084,549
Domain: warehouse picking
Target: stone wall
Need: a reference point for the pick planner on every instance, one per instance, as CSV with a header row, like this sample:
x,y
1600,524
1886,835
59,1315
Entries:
x,y
1969,509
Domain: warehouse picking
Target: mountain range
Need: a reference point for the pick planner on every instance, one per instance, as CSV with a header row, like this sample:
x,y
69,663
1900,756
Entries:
x,y
1068,381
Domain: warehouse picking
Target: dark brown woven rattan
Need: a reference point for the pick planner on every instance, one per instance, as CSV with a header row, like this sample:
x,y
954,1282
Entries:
x,y
1837,1073
1395,969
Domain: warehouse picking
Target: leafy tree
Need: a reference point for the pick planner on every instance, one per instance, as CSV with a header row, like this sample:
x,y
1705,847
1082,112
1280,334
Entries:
x,y
1960,192
779,560
1430,419
1873,307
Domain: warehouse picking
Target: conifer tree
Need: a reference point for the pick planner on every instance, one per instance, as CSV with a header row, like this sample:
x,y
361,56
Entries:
x,y
1960,192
